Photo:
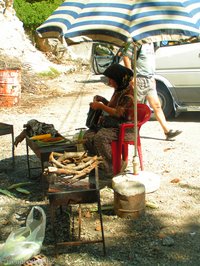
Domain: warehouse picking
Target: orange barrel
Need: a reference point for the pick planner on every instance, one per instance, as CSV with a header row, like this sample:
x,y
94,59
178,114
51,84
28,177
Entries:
x,y
10,87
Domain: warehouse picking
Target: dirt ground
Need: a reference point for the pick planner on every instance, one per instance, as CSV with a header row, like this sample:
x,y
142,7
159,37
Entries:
x,y
168,233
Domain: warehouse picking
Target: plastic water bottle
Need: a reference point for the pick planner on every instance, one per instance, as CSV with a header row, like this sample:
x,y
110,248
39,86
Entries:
x,y
80,140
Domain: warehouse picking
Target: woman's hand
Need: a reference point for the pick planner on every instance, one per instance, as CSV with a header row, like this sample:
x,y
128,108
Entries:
x,y
97,98
99,105
96,105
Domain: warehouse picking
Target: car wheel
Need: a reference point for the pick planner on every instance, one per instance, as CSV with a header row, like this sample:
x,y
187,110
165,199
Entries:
x,y
165,99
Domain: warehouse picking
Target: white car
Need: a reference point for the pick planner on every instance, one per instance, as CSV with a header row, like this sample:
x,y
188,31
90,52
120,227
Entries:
x,y
178,78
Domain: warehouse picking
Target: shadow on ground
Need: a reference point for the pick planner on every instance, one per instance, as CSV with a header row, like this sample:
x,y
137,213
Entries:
x,y
143,241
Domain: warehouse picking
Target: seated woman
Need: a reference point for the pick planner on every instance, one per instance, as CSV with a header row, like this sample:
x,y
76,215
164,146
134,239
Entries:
x,y
114,112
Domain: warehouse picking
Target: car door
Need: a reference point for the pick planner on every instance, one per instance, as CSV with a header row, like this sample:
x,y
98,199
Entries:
x,y
180,65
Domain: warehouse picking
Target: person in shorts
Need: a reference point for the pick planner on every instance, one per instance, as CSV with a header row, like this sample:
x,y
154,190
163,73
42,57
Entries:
x,y
146,84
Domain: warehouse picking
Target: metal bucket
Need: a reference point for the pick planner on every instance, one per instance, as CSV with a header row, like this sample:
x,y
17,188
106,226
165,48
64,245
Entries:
x,y
10,87
129,198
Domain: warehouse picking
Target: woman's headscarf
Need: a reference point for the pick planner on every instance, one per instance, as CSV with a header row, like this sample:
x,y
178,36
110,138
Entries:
x,y
120,74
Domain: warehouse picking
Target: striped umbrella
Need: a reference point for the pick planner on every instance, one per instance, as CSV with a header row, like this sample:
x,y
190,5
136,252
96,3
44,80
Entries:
x,y
122,21
119,21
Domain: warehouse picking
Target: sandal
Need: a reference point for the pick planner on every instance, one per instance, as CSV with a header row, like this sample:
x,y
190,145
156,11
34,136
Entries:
x,y
172,133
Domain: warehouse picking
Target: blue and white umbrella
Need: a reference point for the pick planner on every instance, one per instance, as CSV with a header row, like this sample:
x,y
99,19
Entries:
x,y
122,21
119,21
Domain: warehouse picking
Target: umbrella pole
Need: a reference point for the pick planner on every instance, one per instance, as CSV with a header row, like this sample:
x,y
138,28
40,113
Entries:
x,y
135,157
150,180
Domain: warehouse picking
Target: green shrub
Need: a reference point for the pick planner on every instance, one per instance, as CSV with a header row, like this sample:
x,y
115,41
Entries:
x,y
34,13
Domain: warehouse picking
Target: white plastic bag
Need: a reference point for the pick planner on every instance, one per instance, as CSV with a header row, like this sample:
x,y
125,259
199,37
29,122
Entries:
x,y
25,242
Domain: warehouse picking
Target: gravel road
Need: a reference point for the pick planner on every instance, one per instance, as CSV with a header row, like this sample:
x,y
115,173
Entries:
x,y
168,233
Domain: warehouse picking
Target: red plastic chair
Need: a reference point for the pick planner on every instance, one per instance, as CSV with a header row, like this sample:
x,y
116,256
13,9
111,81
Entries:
x,y
120,147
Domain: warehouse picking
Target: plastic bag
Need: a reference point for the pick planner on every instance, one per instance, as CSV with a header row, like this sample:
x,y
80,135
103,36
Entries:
x,y
25,242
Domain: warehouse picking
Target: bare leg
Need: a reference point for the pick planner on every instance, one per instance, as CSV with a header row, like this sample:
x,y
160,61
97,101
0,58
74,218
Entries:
x,y
156,106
